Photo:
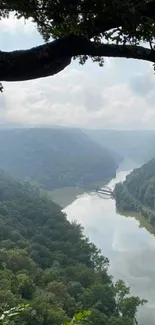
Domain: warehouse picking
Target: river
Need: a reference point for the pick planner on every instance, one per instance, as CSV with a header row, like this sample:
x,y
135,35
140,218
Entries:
x,y
129,246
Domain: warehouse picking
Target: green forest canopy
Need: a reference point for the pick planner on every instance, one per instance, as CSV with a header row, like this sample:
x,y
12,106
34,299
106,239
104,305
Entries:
x,y
48,263
83,28
55,158
137,193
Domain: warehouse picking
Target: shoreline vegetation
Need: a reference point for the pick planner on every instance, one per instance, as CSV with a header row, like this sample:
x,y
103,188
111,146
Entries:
x,y
137,192
142,221
67,195
48,263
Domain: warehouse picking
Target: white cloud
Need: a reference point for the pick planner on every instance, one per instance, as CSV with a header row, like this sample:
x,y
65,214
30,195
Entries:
x,y
13,25
74,98
120,95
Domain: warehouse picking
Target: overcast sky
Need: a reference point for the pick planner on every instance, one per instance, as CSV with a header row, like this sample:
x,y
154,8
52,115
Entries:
x,y
118,96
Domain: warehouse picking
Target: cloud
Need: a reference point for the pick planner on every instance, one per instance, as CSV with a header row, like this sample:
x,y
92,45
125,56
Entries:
x,y
18,34
93,99
74,98
13,25
118,96
142,84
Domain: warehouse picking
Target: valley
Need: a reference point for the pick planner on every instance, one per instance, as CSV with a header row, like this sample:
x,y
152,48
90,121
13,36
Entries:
x,y
65,246
125,237
56,158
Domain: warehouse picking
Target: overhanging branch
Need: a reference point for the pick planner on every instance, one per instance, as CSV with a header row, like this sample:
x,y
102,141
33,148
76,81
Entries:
x,y
51,58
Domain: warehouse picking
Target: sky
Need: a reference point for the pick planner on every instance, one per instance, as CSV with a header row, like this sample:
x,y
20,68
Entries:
x,y
120,95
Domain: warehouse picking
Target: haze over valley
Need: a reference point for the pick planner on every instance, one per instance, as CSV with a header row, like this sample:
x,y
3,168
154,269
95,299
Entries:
x,y
77,162
41,164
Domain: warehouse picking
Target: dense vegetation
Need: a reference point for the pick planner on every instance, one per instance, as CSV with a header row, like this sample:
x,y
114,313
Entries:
x,y
137,193
47,262
55,157
80,28
136,145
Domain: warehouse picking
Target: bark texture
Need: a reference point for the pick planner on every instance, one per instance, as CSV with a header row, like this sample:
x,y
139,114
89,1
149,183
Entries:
x,y
49,59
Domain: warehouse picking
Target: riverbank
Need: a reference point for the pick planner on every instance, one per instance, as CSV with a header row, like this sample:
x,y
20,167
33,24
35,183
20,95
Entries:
x,y
126,239
126,202
66,195
143,222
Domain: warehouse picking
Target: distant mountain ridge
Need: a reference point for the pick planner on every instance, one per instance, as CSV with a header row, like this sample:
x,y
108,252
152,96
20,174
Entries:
x,y
137,145
55,157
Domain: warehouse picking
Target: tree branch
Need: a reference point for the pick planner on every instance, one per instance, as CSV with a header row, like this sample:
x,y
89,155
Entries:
x,y
49,59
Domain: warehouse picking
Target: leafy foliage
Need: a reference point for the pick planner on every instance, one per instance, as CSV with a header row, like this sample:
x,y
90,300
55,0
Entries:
x,y
47,263
13,313
79,318
60,18
115,21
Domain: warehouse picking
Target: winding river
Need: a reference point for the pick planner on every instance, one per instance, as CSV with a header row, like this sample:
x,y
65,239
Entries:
x,y
125,240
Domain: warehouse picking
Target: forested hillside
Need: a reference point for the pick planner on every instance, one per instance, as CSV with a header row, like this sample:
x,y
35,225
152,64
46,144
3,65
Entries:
x,y
47,262
136,145
137,193
55,157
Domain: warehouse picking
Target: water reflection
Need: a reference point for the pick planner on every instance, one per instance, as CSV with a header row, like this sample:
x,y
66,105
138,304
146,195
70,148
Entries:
x,y
129,247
